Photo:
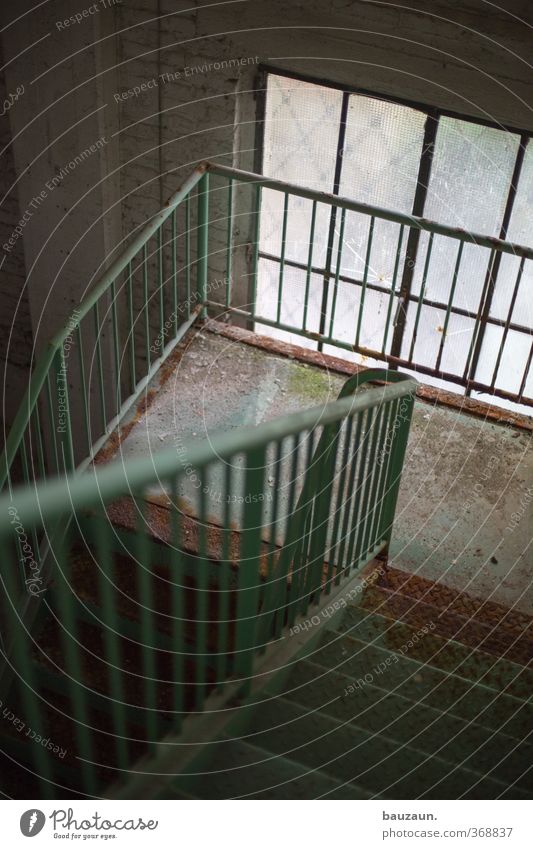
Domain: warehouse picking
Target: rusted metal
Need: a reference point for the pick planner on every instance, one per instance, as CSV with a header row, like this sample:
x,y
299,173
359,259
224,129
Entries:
x,y
426,393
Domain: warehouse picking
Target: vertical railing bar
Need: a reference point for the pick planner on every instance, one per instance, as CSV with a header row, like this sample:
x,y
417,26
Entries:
x,y
229,246
85,397
178,608
100,365
365,281
255,248
395,466
146,306
24,459
271,588
160,281
283,591
116,343
340,503
337,272
146,614
188,254
450,303
309,263
380,424
525,374
224,584
39,441
353,507
378,495
300,521
282,254
203,241
201,595
355,548
51,417
246,630
110,637
63,426
322,513
24,668
393,288
26,477
477,323
174,273
65,594
397,416
349,503
508,322
131,328
421,295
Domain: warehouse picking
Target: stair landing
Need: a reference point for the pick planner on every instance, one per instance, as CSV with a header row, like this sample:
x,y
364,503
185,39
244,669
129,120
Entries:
x,y
464,511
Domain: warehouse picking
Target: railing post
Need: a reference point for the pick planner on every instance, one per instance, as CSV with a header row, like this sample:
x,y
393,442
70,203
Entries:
x,y
62,422
203,241
246,630
394,472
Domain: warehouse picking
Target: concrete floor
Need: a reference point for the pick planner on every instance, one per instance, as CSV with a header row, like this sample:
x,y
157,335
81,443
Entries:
x,y
465,512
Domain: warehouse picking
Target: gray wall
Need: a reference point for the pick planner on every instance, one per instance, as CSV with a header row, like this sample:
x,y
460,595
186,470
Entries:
x,y
430,52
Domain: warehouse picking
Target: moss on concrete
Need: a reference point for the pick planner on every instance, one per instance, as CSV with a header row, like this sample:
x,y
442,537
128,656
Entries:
x,y
311,385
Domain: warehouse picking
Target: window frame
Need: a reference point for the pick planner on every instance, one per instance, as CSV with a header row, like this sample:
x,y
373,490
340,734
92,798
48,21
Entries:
x,y
433,116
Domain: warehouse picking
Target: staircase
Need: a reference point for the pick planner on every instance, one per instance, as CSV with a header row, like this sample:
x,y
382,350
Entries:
x,y
370,712
409,691
169,654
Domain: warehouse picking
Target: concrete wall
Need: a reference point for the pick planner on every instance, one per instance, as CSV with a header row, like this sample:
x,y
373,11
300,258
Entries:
x,y
428,52
75,224
15,322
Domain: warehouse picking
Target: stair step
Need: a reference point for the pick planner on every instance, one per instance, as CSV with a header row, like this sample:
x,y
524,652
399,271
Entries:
x,y
476,665
381,765
355,660
375,708
403,723
480,610
237,769
417,613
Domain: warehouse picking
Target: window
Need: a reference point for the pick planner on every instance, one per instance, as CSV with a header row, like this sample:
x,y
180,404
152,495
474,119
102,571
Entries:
x,y
467,319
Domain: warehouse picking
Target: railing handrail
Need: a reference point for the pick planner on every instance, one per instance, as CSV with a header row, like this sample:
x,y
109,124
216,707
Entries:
x,y
67,494
106,279
341,202
104,282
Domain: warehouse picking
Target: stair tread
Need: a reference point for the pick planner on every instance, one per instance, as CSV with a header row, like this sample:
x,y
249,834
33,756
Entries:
x,y
373,660
456,601
448,624
310,683
429,686
238,769
448,655
444,737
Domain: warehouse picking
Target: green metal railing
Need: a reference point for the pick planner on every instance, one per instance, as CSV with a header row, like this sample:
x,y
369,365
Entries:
x,y
397,274
151,623
118,603
101,361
